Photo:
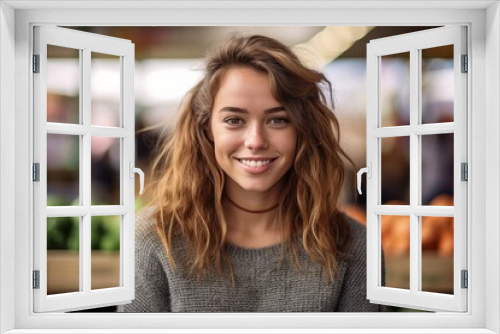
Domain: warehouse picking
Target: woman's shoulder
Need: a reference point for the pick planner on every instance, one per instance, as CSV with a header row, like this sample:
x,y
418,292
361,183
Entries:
x,y
147,236
356,245
145,218
145,227
358,230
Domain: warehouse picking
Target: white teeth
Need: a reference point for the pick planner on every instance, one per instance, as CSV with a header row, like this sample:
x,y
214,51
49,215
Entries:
x,y
253,163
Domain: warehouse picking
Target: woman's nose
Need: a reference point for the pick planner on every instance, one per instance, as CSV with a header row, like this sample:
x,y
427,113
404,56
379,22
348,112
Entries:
x,y
256,138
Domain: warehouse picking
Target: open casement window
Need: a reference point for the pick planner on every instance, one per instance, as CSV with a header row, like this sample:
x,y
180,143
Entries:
x,y
83,122
430,132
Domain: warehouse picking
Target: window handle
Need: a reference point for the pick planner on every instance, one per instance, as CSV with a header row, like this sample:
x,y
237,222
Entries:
x,y
138,171
368,171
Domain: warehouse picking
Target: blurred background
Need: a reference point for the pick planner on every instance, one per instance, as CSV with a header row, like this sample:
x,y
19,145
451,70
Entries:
x,y
169,61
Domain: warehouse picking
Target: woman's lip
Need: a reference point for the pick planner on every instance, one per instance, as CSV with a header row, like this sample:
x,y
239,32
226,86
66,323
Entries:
x,y
257,159
256,170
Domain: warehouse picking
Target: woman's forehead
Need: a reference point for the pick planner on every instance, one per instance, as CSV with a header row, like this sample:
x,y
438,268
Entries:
x,y
245,86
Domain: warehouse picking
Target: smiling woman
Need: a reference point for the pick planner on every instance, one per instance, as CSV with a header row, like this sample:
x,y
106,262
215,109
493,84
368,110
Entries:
x,y
245,215
255,145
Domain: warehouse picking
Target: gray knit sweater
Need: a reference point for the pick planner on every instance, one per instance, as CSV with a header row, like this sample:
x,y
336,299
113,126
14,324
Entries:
x,y
263,283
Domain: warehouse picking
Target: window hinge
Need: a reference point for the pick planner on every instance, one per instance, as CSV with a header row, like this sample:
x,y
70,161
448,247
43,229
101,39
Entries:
x,y
36,63
465,279
464,172
36,279
36,172
465,64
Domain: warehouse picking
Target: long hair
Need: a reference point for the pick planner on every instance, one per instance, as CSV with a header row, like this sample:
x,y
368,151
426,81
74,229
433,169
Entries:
x,y
189,188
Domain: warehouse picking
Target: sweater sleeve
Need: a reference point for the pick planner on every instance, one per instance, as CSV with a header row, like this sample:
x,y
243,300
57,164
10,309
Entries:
x,y
151,284
352,297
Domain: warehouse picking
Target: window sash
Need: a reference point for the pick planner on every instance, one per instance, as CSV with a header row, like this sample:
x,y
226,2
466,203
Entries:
x,y
86,297
413,298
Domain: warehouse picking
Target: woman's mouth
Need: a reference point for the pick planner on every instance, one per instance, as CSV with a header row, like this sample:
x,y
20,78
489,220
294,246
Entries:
x,y
256,166
255,163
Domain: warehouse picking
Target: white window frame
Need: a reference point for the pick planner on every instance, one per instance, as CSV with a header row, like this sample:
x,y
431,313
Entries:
x,y
483,20
124,132
414,43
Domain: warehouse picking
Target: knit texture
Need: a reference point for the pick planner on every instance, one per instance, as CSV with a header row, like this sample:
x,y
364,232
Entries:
x,y
263,283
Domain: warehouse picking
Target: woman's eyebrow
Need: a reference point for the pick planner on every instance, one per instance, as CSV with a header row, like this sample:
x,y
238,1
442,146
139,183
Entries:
x,y
242,110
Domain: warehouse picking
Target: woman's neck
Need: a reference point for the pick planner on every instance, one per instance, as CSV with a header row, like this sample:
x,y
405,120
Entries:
x,y
251,215
253,211
251,230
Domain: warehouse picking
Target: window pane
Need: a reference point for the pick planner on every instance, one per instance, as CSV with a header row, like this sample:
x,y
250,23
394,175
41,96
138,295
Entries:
x,y
438,84
63,85
395,170
105,90
63,169
63,259
437,254
105,170
105,241
395,232
395,89
437,169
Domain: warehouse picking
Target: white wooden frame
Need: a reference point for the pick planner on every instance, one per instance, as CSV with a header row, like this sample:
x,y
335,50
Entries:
x,y
483,18
86,43
413,43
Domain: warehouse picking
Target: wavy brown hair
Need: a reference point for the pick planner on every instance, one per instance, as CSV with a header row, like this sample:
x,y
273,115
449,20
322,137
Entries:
x,y
189,187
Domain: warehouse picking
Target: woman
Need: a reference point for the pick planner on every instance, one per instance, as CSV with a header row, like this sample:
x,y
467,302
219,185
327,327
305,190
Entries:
x,y
245,217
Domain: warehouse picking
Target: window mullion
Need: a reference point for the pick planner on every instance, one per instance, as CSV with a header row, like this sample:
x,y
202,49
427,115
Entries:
x,y
67,129
81,130
415,255
372,184
433,129
40,155
103,131
406,210
85,167
460,155
109,210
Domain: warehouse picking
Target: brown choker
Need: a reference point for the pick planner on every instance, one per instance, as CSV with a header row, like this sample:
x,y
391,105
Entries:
x,y
252,211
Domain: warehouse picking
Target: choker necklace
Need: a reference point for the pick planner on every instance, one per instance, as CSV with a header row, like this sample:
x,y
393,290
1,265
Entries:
x,y
252,211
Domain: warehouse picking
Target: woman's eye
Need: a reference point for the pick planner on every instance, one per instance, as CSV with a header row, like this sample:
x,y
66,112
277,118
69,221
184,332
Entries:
x,y
233,121
279,121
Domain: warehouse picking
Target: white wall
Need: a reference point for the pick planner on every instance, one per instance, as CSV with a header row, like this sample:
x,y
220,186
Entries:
x,y
492,172
7,161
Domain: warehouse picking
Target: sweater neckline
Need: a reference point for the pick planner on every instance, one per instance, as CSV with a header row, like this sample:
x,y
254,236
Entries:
x,y
256,253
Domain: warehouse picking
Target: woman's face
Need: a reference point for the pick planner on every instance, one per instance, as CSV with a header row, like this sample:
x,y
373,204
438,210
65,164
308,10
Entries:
x,y
254,139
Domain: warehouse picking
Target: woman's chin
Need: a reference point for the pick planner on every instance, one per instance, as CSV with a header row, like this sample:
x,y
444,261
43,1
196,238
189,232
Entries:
x,y
255,187
251,186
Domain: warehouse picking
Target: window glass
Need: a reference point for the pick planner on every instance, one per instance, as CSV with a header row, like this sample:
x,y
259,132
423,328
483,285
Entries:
x,y
63,170
438,84
437,254
63,85
395,234
105,241
105,90
437,169
395,170
106,157
63,259
395,89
